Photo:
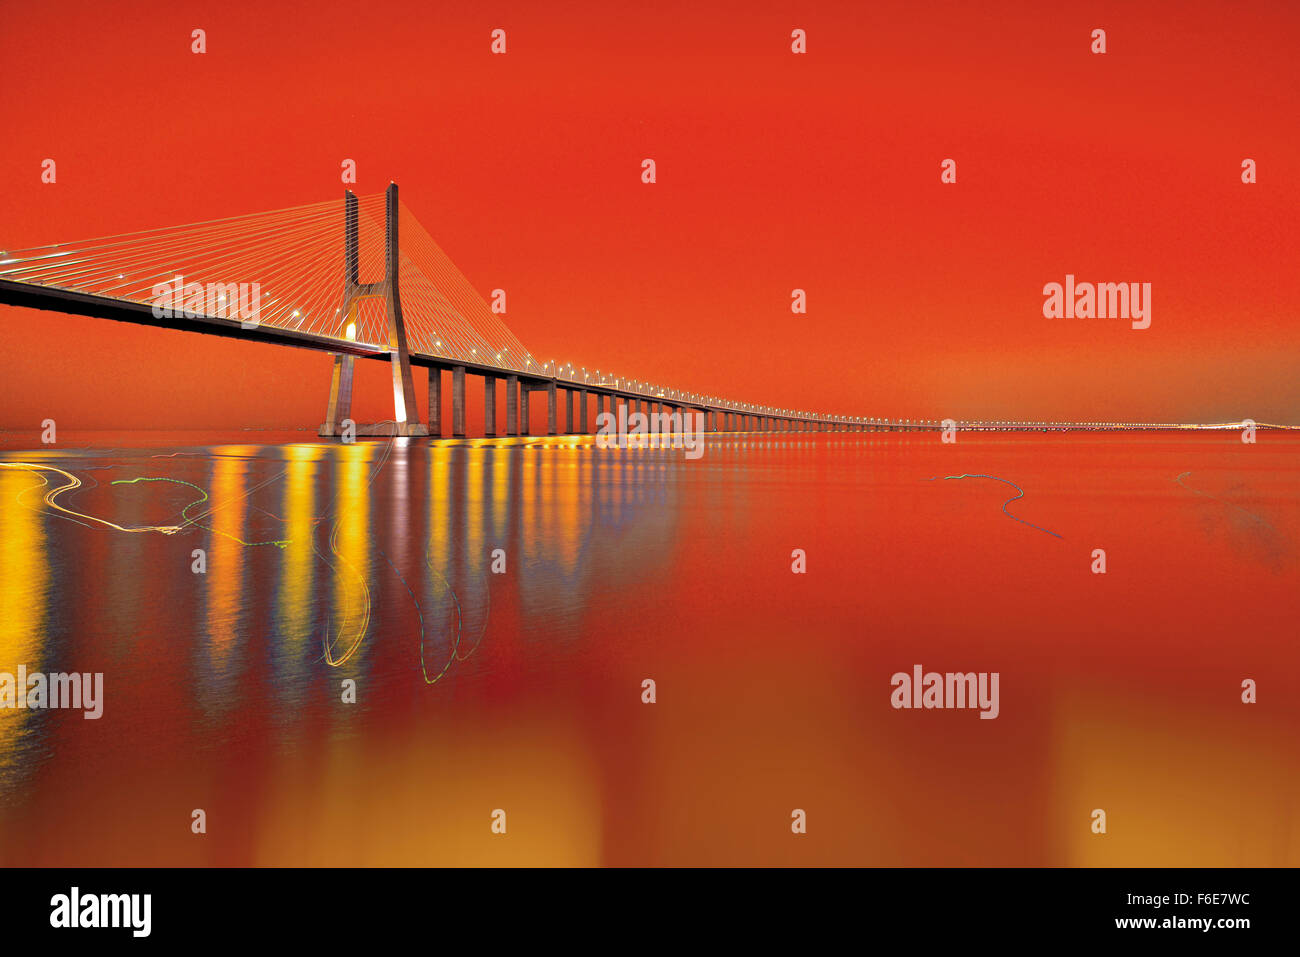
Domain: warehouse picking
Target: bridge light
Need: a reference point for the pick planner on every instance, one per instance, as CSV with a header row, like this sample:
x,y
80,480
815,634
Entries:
x,y
351,331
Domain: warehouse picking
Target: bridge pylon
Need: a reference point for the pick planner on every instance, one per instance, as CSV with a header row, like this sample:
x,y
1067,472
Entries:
x,y
405,412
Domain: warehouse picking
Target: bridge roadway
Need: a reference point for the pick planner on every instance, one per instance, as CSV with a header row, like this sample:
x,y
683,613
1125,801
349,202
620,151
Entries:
x,y
719,416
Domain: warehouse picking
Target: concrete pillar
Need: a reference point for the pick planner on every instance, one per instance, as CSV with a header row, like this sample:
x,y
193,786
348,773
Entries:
x,y
340,401
512,405
490,406
600,406
458,402
524,427
435,401
582,412
568,411
550,408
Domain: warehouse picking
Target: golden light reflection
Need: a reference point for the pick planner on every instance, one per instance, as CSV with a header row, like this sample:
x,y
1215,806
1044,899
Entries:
x,y
1181,787
226,566
295,610
23,583
372,803
349,546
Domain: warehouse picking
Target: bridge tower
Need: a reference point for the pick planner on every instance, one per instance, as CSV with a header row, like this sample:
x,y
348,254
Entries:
x,y
405,412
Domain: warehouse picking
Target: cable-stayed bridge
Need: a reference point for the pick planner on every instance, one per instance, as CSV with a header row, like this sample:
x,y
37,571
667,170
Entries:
x,y
363,279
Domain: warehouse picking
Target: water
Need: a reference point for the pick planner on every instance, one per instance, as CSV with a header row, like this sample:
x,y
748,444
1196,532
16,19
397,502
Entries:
x,y
522,691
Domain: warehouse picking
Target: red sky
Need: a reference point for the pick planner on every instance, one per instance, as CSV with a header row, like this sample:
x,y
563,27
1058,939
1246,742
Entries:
x,y
775,171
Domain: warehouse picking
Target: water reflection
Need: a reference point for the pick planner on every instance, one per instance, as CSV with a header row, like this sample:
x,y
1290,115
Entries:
x,y
374,563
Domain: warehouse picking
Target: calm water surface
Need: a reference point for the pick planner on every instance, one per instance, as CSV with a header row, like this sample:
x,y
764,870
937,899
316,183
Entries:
x,y
523,690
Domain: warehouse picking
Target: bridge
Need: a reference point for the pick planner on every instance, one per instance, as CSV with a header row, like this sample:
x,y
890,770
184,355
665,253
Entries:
x,y
294,277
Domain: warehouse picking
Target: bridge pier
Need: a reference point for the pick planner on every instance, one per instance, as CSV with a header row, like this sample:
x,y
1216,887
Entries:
x,y
583,421
435,401
340,401
512,405
458,402
524,419
490,406
568,411
550,408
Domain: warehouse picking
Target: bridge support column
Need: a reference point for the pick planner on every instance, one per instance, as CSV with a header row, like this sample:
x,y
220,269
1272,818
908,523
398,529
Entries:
x,y
435,401
458,402
512,405
340,401
568,411
525,426
550,408
490,406
600,407
583,421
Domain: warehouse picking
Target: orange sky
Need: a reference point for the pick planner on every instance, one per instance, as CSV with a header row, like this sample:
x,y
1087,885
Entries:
x,y
775,171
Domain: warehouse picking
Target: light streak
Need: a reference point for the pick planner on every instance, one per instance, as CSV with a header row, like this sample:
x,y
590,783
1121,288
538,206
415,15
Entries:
x,y
1020,493
73,483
